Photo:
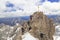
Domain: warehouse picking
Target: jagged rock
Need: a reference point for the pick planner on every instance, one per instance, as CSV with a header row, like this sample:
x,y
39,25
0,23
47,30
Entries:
x,y
42,27
39,26
18,32
25,28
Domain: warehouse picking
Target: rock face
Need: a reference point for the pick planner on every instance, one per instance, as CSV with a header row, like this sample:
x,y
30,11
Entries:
x,y
40,26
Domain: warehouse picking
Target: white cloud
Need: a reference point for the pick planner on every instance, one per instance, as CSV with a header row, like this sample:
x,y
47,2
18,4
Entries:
x,y
29,7
53,8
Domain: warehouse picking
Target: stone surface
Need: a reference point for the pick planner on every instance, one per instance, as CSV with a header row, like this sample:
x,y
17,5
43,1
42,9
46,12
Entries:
x,y
42,27
39,26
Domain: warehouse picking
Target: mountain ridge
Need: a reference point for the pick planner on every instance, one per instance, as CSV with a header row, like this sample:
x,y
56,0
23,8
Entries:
x,y
20,19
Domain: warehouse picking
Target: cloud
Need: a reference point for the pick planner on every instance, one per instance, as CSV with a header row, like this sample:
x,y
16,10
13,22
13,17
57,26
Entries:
x,y
11,8
52,8
2,6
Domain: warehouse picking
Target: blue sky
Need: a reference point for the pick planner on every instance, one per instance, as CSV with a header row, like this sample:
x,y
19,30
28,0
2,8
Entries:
x,y
53,0
9,8
8,4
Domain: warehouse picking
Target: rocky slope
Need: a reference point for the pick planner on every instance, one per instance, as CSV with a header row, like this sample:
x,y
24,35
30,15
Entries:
x,y
39,26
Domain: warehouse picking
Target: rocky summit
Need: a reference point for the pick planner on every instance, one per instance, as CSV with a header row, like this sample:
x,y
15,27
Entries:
x,y
40,26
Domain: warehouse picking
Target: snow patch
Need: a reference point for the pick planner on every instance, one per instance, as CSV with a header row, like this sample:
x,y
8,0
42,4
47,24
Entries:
x,y
28,36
